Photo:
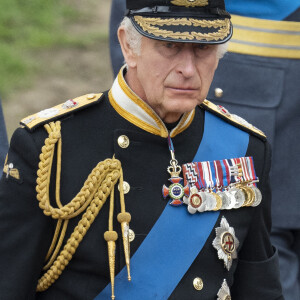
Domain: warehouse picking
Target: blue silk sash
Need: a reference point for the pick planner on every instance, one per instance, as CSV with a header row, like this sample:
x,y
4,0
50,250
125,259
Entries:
x,y
173,243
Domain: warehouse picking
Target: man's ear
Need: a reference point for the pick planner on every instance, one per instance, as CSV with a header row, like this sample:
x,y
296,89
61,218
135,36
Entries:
x,y
129,55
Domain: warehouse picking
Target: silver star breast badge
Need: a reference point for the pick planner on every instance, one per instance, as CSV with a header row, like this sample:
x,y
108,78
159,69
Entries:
x,y
226,243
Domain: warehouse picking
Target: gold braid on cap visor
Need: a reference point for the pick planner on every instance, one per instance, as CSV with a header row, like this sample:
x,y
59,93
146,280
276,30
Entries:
x,y
151,25
190,3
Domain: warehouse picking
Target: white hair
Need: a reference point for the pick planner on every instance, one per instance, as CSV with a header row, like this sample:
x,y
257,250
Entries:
x,y
134,39
222,49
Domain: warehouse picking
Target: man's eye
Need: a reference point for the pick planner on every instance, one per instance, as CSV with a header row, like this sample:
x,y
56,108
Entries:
x,y
202,46
170,45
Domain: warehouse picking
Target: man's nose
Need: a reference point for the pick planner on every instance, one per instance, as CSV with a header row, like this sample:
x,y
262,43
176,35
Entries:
x,y
186,63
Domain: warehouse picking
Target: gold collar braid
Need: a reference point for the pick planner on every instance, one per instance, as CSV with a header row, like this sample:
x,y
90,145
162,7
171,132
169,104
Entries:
x,y
97,187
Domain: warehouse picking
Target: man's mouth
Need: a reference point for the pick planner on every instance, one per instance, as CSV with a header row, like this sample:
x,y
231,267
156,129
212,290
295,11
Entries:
x,y
182,89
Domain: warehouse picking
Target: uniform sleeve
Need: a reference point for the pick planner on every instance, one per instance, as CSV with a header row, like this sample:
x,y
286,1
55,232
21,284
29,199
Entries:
x,y
257,273
25,231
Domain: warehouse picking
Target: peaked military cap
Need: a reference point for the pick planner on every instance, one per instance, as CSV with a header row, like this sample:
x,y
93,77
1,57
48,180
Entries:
x,y
196,21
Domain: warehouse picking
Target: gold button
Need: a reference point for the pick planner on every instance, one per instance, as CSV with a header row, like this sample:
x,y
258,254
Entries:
x,y
198,284
91,96
126,187
131,235
123,141
218,92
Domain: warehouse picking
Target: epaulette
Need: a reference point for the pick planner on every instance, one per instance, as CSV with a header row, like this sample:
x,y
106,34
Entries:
x,y
51,114
232,118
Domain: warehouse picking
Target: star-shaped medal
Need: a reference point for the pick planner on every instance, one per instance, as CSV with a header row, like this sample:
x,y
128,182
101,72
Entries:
x,y
226,243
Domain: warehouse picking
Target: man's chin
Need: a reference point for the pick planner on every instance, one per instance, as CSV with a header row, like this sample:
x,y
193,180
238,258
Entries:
x,y
179,111
182,105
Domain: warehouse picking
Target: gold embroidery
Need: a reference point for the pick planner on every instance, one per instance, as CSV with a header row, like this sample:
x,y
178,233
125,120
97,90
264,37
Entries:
x,y
82,101
190,3
11,172
149,25
213,107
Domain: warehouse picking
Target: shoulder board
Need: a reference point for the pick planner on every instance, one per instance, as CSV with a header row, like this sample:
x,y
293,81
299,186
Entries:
x,y
56,112
231,118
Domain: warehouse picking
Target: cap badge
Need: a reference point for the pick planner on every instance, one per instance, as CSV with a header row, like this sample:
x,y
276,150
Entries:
x,y
190,3
226,243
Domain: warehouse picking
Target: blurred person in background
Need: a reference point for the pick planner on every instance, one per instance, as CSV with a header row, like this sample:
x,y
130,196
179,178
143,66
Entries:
x,y
3,139
259,80
117,12
196,220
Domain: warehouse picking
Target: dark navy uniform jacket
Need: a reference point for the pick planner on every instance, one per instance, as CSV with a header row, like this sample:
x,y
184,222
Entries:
x,y
89,135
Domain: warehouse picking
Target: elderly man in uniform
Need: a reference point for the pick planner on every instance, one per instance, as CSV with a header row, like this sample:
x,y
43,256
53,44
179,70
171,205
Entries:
x,y
178,186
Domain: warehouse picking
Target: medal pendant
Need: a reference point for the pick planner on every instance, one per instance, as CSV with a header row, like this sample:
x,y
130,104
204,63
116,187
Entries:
x,y
218,200
251,195
225,200
195,201
176,191
231,199
210,201
258,196
239,197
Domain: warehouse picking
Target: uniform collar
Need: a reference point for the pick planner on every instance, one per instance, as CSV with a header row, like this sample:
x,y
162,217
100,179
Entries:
x,y
135,110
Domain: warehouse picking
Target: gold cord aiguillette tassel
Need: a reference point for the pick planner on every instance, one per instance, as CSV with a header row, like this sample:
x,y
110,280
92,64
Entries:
x,y
111,236
124,218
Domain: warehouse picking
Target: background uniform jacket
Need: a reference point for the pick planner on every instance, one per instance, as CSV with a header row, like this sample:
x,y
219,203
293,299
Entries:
x,y
89,136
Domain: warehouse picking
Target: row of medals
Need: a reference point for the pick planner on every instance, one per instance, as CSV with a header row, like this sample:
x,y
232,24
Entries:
x,y
233,197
